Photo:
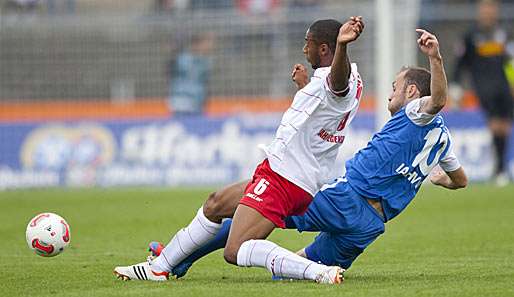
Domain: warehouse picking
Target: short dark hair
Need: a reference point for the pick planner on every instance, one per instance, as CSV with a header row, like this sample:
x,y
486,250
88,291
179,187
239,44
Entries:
x,y
418,76
493,2
326,31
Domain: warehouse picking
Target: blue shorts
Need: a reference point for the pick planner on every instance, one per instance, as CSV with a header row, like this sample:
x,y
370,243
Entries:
x,y
348,224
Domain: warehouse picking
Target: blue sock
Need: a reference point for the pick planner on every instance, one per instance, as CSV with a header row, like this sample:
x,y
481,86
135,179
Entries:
x,y
216,243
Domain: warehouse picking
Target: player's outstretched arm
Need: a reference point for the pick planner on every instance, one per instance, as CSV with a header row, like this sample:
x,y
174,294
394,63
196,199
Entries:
x,y
429,45
451,180
340,71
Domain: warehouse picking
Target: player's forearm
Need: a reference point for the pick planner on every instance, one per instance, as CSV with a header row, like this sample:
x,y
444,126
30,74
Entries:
x,y
340,70
455,179
438,84
449,184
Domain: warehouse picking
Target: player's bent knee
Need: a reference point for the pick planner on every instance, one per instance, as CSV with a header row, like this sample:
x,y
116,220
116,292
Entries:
x,y
212,207
230,255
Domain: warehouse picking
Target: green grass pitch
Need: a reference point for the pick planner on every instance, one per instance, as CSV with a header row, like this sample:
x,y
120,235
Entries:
x,y
447,243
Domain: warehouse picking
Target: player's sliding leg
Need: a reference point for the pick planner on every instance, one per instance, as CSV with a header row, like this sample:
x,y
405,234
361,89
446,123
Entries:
x,y
184,243
303,223
285,264
200,231
242,249
218,242
203,228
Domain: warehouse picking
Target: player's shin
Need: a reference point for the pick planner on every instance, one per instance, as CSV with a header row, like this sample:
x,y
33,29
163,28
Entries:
x,y
279,261
200,231
216,243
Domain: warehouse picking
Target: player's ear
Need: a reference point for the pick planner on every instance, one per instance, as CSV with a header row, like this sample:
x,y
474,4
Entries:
x,y
324,49
412,89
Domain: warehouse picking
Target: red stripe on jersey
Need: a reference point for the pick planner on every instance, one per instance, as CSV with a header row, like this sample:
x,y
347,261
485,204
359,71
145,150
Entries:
x,y
359,89
342,124
317,97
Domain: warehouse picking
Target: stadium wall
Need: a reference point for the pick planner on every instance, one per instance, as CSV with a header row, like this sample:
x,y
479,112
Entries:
x,y
183,151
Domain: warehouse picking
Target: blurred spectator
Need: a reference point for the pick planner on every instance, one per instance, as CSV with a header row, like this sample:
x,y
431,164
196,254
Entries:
x,y
305,3
60,6
211,4
189,74
253,7
163,6
21,6
484,52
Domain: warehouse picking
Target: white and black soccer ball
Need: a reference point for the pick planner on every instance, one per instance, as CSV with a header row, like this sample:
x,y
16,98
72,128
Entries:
x,y
48,234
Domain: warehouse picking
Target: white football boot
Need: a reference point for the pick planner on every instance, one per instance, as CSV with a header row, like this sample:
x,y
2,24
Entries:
x,y
332,275
141,271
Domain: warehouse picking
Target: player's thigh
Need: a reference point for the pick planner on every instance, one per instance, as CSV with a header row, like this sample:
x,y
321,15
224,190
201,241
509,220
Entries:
x,y
223,203
318,217
504,104
247,224
329,211
497,103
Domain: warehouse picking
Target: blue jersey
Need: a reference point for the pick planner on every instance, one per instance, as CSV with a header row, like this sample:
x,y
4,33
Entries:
x,y
399,157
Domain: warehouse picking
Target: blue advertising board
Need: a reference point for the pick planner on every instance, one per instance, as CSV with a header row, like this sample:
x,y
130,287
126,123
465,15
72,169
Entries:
x,y
189,151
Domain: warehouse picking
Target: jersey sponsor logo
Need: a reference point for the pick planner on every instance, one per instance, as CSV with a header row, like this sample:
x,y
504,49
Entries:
x,y
323,134
410,174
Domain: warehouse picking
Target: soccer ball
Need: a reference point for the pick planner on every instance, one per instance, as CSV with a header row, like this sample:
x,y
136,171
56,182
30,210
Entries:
x,y
48,234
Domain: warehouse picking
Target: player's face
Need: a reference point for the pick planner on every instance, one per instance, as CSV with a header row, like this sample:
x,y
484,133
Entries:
x,y
487,14
311,51
398,96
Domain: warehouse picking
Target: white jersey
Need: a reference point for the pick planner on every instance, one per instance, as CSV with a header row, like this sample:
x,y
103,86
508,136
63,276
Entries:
x,y
312,130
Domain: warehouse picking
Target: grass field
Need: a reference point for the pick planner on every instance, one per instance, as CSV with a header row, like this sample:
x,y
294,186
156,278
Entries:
x,y
447,243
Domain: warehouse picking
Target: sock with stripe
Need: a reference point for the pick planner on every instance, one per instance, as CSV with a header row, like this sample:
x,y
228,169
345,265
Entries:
x,y
186,241
218,242
279,261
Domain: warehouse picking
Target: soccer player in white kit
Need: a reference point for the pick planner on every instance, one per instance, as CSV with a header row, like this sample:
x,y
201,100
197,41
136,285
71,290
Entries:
x,y
298,162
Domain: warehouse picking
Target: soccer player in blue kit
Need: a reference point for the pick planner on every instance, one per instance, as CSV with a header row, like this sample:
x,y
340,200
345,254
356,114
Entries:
x,y
382,178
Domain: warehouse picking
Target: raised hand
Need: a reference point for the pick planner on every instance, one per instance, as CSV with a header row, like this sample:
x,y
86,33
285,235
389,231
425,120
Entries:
x,y
351,30
428,43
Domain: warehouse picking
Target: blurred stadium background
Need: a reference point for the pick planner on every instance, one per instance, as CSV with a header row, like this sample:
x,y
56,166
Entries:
x,y
87,86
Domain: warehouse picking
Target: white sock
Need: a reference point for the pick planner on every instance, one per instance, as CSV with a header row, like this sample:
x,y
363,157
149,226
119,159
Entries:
x,y
279,261
186,241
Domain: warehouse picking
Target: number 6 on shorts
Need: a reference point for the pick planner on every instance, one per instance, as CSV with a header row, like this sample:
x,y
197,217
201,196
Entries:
x,y
261,187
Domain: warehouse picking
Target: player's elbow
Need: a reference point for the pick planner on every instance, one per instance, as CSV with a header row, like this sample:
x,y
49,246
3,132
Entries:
x,y
460,181
439,104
